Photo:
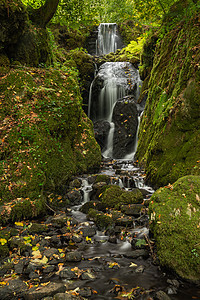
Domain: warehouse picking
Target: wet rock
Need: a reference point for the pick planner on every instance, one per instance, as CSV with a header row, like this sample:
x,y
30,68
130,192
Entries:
x,y
64,296
31,268
74,197
88,231
85,292
112,239
76,183
91,179
77,239
132,209
55,241
101,131
125,118
19,267
173,282
33,275
38,228
124,221
140,269
67,273
48,269
88,275
73,256
162,296
50,252
59,221
40,292
15,290
137,253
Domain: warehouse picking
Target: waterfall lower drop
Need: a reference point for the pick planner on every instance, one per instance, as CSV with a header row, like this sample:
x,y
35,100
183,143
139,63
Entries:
x,y
109,150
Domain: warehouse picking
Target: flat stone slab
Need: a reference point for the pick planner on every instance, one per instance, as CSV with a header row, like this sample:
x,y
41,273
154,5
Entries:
x,y
40,292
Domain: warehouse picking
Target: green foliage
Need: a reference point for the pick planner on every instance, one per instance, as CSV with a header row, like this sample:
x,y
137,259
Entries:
x,y
135,47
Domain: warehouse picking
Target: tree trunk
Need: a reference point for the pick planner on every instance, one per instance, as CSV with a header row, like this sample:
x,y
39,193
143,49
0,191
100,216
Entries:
x,y
45,13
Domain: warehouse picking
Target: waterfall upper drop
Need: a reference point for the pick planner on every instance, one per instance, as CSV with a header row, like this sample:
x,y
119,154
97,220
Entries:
x,y
108,40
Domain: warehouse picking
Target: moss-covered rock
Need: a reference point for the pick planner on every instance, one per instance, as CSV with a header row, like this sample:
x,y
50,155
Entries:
x,y
45,138
175,214
102,178
102,221
37,228
169,136
114,196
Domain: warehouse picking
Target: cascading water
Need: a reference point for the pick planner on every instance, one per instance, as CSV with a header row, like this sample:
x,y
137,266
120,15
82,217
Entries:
x,y
107,40
114,82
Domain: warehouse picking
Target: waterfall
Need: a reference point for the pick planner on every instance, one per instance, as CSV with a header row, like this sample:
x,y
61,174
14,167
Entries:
x,y
113,83
107,38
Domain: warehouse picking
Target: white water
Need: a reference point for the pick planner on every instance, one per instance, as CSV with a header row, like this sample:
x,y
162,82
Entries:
x,y
109,150
107,38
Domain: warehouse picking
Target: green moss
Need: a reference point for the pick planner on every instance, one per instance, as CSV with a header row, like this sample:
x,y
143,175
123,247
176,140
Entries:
x,y
175,214
102,178
169,134
114,197
102,221
47,137
37,228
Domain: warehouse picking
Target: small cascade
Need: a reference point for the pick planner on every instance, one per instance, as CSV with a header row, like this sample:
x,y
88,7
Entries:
x,y
107,38
109,149
131,155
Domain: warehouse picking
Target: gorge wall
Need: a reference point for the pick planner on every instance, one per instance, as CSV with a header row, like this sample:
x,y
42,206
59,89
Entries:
x,y
169,136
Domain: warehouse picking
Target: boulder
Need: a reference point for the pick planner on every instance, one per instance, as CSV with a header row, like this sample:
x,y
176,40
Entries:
x,y
101,130
40,292
125,118
174,220
74,197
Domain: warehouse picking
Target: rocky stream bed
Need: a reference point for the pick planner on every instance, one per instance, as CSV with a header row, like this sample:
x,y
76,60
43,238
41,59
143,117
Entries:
x,y
91,250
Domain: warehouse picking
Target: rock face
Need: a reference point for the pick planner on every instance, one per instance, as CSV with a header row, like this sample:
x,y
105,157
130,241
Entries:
x,y
101,130
20,40
175,214
125,118
13,22
169,143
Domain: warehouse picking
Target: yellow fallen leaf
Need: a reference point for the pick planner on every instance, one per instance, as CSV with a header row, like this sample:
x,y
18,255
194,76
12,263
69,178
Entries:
x,y
3,241
19,224
36,254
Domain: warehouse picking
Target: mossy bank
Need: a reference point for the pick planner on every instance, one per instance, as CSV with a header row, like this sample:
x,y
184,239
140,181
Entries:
x,y
169,136
45,138
174,220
